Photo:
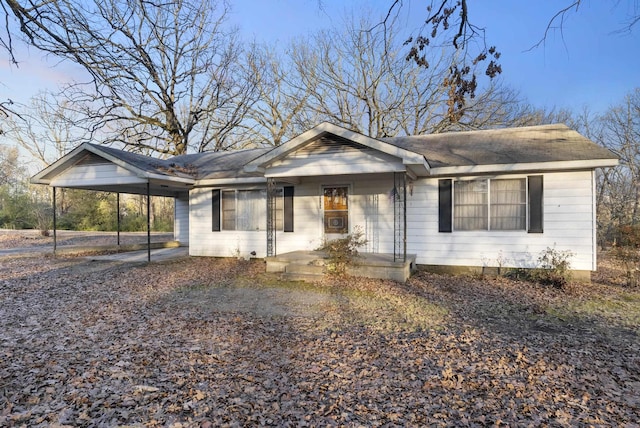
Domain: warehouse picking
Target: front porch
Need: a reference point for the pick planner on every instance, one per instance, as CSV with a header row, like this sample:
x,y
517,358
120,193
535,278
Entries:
x,y
310,265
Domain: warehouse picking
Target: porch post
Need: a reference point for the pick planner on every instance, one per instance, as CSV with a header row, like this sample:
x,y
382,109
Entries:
x,y
404,215
148,222
55,237
118,216
399,216
271,221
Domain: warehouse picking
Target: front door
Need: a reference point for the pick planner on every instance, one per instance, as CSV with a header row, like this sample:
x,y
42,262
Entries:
x,y
336,210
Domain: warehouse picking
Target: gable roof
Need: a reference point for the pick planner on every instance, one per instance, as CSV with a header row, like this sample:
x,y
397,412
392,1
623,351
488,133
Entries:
x,y
542,147
141,165
136,173
409,158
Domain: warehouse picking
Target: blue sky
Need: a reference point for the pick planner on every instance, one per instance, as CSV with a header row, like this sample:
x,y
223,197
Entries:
x,y
589,65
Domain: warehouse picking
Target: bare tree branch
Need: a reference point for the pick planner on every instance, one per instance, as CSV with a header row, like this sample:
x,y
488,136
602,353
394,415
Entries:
x,y
559,16
162,73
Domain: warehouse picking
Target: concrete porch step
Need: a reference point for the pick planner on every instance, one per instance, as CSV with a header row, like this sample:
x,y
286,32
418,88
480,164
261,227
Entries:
x,y
301,277
309,265
305,269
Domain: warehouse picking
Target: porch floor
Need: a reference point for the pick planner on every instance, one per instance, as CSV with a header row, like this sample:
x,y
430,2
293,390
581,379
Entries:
x,y
310,265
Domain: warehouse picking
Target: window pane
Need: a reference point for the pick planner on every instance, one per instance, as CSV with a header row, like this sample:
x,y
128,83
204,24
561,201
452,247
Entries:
x,y
508,204
251,210
470,205
228,210
336,222
335,198
279,209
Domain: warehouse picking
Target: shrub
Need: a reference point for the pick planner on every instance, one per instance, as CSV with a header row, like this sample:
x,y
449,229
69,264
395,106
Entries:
x,y
342,252
626,249
554,267
629,257
627,235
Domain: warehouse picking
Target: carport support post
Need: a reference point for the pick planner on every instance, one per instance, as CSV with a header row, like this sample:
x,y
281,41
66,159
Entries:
x,y
55,237
148,222
118,216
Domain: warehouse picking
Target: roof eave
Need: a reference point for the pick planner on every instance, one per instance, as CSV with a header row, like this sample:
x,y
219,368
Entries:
x,y
170,178
522,167
208,182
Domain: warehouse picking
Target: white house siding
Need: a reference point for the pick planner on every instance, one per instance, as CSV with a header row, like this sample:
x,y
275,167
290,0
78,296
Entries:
x,y
369,208
568,225
181,218
95,175
226,243
305,164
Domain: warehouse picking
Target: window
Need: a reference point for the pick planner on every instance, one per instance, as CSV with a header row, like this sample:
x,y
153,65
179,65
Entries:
x,y
245,210
495,204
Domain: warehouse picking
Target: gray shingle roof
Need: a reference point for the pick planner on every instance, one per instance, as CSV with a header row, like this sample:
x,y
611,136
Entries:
x,y
142,162
211,165
531,144
197,165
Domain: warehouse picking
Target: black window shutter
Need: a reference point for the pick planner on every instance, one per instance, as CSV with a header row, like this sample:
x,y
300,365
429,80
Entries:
x,y
444,205
288,208
535,204
215,213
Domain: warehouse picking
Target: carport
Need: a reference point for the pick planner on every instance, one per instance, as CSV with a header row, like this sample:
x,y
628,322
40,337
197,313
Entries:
x,y
100,168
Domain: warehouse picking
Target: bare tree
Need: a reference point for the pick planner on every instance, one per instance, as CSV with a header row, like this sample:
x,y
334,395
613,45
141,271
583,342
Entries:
x,y
10,167
359,78
46,128
450,23
621,134
283,97
162,74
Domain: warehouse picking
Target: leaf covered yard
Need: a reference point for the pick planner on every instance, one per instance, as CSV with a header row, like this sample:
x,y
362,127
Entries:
x,y
211,342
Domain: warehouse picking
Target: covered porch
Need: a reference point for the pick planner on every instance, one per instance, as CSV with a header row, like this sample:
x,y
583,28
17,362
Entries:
x,y
311,265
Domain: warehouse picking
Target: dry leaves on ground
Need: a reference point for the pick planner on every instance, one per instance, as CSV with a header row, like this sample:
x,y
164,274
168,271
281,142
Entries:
x,y
210,342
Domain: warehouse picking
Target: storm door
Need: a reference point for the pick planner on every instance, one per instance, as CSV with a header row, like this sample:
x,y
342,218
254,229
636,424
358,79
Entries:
x,y
335,201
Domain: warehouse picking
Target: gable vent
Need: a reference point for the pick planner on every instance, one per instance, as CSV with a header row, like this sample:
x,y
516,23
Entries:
x,y
91,159
332,144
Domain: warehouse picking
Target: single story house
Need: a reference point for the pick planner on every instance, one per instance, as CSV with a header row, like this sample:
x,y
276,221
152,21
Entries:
x,y
460,199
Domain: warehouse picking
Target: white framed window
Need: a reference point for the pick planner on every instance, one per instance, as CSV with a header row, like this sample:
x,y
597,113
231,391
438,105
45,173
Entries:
x,y
490,204
247,210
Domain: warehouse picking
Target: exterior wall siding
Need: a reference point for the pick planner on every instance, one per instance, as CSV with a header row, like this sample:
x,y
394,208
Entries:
x,y
321,164
369,209
181,219
227,243
96,175
568,225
